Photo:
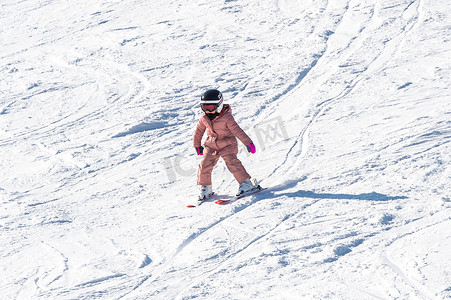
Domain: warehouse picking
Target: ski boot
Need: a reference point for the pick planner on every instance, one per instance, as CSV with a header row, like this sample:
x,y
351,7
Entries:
x,y
247,186
205,192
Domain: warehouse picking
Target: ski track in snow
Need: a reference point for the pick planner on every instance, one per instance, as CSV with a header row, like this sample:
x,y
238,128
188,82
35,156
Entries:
x,y
75,118
300,146
97,112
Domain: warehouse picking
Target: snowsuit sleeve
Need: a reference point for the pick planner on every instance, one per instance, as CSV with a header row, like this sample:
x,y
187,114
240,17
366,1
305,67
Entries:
x,y
237,131
198,134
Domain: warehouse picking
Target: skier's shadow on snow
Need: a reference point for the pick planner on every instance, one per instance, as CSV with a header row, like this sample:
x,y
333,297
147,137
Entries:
x,y
373,196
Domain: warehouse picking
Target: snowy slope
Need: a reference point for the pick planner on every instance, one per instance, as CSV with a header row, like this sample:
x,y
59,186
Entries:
x,y
348,103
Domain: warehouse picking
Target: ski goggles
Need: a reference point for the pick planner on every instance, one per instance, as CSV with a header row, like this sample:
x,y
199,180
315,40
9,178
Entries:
x,y
209,107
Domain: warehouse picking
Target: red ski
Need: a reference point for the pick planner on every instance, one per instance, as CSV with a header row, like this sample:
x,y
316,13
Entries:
x,y
253,192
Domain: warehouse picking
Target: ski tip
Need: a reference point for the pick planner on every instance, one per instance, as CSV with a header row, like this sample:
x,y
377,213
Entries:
x,y
222,202
190,205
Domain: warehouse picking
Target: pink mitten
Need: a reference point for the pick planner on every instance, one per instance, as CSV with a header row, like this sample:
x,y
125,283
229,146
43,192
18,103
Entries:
x,y
251,148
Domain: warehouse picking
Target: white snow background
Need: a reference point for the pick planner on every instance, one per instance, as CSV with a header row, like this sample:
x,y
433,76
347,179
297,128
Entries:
x,y
347,101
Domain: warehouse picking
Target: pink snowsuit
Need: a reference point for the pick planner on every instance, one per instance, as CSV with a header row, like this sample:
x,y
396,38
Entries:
x,y
221,142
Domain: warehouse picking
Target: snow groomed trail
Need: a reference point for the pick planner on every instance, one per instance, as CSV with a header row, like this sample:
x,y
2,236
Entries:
x,y
347,102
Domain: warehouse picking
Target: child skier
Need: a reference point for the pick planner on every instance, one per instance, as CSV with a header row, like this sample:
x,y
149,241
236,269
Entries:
x,y
222,131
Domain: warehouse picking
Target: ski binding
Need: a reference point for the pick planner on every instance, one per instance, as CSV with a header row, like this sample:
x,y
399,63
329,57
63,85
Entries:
x,y
200,200
255,190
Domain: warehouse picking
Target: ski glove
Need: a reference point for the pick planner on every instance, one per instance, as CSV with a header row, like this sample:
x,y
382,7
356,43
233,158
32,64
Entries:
x,y
199,150
251,148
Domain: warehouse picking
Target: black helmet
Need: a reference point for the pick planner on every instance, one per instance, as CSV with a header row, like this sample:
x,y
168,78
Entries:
x,y
212,100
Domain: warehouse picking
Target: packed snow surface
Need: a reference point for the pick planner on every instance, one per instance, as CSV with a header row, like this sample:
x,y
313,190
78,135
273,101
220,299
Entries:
x,y
347,101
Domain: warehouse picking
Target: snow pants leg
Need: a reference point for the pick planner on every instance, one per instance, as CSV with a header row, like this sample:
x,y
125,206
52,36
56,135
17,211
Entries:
x,y
205,168
236,167
232,162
